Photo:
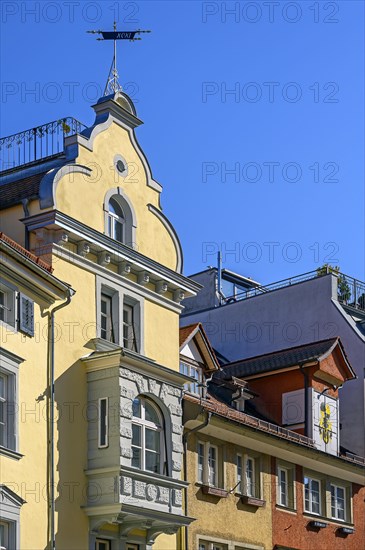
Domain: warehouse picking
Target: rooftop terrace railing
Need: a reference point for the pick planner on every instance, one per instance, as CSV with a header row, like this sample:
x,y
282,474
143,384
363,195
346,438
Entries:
x,y
37,143
350,291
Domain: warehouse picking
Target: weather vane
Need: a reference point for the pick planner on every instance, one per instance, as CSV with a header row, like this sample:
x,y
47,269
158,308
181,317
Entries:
x,y
112,84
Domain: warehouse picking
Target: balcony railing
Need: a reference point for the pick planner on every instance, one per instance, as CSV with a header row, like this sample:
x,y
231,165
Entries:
x,y
350,291
37,143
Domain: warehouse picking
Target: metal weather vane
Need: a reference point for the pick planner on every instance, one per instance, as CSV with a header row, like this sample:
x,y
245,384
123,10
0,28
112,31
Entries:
x,y
113,84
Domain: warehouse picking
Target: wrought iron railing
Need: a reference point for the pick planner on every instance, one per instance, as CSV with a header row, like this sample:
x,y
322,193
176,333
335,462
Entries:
x,y
37,143
350,291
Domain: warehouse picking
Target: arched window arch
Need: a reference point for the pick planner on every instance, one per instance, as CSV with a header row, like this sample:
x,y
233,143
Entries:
x,y
148,437
120,219
116,220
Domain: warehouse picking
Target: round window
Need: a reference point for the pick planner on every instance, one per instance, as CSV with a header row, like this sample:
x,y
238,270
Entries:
x,y
120,166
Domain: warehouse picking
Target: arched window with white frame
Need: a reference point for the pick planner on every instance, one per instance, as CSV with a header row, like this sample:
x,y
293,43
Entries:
x,y
116,221
148,437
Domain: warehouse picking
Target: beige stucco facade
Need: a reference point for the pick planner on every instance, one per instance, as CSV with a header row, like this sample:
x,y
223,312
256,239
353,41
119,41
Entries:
x,y
67,225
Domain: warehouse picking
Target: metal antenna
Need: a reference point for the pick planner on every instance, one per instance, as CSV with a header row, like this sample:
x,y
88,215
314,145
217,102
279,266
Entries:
x,y
112,84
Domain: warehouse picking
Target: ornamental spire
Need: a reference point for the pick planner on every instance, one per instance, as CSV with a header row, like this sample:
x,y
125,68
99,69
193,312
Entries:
x,y
112,84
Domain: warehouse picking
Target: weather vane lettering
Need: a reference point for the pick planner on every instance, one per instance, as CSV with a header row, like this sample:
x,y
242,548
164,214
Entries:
x,y
113,84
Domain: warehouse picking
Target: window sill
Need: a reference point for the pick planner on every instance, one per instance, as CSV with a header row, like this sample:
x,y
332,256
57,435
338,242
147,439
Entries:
x,y
286,509
214,491
253,501
10,453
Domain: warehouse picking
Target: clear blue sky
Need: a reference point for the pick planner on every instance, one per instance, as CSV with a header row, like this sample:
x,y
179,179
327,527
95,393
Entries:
x,y
292,132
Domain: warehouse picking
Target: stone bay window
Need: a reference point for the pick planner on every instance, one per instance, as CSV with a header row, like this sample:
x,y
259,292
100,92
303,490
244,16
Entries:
x,y
134,449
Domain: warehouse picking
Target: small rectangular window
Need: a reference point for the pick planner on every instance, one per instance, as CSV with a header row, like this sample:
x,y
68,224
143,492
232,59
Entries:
x,y
7,304
239,474
106,319
4,535
201,462
338,502
312,495
102,544
283,487
195,372
103,422
250,477
129,333
213,466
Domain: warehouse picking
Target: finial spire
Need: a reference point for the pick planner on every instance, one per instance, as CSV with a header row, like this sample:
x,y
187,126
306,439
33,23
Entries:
x,y
112,84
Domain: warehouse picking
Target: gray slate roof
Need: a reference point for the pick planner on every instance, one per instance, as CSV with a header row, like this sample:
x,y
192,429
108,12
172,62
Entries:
x,y
277,360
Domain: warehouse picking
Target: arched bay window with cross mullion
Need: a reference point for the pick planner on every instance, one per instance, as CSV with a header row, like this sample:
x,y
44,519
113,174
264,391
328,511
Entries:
x,y
148,437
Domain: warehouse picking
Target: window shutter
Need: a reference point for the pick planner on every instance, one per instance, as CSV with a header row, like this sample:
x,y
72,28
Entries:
x,y
26,315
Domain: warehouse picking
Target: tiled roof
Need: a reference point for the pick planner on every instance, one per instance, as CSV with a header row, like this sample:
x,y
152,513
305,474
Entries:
x,y
278,360
215,406
24,252
26,188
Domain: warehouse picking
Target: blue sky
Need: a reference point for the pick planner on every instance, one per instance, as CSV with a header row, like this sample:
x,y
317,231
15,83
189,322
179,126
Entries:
x,y
253,117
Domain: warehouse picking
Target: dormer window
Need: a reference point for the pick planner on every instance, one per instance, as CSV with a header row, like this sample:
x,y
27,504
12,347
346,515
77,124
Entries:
x,y
116,221
194,371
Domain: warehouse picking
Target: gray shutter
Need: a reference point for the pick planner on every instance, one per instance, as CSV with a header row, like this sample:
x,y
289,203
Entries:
x,y
26,315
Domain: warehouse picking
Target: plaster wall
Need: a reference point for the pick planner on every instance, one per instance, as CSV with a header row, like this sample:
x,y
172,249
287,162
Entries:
x,y
288,317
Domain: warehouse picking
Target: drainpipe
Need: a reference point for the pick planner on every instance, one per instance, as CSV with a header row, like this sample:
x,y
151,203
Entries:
x,y
219,277
25,203
306,408
185,443
70,293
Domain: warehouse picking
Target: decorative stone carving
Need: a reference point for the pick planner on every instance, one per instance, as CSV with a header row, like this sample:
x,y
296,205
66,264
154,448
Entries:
x,y
126,452
176,465
177,429
175,409
83,248
126,432
177,497
177,447
151,492
124,268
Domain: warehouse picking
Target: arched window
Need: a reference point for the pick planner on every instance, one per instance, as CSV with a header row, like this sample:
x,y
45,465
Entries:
x,y
148,437
116,221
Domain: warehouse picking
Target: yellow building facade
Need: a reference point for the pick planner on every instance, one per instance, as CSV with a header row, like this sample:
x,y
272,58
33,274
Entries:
x,y
115,455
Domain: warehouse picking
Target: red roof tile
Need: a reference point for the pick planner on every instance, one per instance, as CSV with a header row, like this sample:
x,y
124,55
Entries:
x,y
24,252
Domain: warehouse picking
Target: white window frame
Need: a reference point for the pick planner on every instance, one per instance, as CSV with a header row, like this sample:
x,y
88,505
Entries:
x,y
115,219
109,318
195,371
242,461
130,339
310,499
9,371
99,541
103,423
336,486
207,446
120,297
211,545
143,424
8,313
290,470
280,500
